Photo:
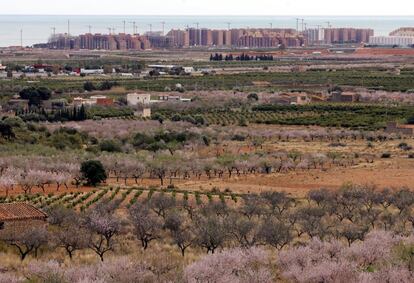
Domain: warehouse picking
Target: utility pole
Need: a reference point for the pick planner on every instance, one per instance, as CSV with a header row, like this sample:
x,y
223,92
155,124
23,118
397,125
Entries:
x,y
163,27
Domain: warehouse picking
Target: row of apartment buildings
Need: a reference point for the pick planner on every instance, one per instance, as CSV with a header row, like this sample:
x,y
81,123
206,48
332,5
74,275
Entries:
x,y
249,38
191,37
337,35
255,38
100,41
402,37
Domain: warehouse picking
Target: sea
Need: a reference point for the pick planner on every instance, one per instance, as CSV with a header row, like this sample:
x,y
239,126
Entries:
x,y
31,29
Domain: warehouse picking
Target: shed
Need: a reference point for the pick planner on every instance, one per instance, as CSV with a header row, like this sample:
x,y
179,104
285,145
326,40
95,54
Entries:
x,y
17,216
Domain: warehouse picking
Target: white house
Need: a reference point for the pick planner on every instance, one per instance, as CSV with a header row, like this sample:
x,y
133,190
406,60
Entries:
x,y
138,98
2,68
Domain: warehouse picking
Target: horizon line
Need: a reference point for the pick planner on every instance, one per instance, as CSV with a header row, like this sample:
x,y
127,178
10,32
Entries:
x,y
207,15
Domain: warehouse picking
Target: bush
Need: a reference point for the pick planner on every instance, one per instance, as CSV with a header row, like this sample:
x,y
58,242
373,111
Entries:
x,y
253,97
199,120
176,118
386,155
404,146
238,137
93,172
89,86
110,146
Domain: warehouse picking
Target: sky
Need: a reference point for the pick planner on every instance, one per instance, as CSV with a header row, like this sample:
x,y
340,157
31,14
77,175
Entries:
x,y
209,7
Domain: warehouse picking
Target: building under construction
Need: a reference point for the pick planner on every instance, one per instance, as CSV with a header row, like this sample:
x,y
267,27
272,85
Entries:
x,y
191,37
98,41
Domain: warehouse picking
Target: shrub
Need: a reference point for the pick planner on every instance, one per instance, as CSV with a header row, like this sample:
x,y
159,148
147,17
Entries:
x,y
110,146
89,86
253,96
386,155
199,120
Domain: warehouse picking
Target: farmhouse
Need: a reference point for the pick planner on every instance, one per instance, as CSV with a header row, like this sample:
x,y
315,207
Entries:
x,y
138,98
338,96
394,127
15,217
144,113
300,99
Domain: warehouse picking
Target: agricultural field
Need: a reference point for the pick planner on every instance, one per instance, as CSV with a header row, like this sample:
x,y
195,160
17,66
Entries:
x,y
231,184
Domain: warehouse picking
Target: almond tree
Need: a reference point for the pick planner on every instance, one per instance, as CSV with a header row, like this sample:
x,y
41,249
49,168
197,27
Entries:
x,y
28,240
181,231
147,225
210,232
103,226
235,265
8,179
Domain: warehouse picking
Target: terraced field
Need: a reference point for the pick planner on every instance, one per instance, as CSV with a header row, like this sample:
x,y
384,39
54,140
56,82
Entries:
x,y
122,197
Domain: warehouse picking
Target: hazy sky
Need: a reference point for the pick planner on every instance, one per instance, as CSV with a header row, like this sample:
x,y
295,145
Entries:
x,y
210,7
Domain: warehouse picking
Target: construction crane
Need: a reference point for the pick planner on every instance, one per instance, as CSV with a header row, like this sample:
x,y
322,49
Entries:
x,y
134,27
150,27
198,41
89,28
124,23
163,27
228,25
54,31
297,25
329,24
111,30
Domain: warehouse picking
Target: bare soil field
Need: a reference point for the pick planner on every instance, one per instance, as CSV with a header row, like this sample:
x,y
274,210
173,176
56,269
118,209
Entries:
x,y
382,174
388,173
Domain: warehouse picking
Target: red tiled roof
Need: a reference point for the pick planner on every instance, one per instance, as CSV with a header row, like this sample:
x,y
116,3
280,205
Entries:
x,y
407,126
20,211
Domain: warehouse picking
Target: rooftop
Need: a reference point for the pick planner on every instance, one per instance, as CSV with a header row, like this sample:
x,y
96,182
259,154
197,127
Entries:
x,y
20,211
